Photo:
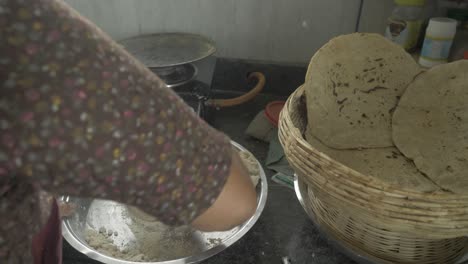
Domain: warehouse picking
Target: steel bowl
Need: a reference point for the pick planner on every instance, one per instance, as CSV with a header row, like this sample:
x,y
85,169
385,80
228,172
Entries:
x,y
94,214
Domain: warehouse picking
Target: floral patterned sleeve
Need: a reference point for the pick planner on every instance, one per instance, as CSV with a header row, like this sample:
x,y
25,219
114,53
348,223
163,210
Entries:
x,y
79,116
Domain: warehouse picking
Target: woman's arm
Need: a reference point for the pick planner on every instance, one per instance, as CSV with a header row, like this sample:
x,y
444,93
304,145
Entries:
x,y
80,116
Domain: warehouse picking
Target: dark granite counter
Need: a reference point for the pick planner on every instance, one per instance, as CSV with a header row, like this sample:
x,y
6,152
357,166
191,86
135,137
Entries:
x,y
284,229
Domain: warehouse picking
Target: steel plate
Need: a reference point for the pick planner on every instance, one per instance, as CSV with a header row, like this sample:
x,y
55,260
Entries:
x,y
168,49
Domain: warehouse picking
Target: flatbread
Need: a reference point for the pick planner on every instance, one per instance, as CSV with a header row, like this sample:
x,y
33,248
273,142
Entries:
x,y
430,125
386,164
352,87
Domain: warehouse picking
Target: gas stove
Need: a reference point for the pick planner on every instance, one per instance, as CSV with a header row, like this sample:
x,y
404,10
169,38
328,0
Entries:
x,y
192,82
185,63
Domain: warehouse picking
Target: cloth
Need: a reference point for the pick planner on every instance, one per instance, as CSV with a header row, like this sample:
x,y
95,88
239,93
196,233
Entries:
x,y
260,128
276,160
80,116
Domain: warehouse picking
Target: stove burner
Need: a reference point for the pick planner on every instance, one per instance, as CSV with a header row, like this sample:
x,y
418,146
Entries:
x,y
176,75
195,95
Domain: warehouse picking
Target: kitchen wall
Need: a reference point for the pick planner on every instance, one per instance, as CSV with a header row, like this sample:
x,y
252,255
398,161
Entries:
x,y
282,31
374,15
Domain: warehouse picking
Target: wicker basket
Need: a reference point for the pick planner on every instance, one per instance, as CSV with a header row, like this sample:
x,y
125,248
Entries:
x,y
379,218
381,243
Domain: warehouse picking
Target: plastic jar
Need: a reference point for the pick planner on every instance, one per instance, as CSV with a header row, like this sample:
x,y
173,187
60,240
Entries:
x,y
438,41
404,25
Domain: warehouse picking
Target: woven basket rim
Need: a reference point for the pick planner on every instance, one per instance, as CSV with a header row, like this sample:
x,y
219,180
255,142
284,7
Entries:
x,y
366,181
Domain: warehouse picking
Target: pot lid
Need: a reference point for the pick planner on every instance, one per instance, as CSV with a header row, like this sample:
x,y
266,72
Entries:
x,y
169,49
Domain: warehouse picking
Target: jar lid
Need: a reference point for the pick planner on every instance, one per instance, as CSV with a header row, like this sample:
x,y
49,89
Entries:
x,y
441,26
410,2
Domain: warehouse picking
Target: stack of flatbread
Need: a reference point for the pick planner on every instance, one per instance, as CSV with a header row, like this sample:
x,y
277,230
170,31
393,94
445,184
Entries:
x,y
372,108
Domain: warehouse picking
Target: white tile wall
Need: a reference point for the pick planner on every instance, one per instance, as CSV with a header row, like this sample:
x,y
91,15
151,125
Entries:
x,y
374,15
285,31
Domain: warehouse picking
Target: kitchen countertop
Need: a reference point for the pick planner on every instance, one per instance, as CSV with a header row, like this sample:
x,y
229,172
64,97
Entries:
x,y
283,230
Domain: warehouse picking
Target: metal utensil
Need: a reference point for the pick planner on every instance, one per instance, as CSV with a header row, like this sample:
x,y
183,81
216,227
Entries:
x,y
176,76
169,49
93,213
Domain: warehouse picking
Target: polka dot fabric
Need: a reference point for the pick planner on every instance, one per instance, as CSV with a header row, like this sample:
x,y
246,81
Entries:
x,y
79,116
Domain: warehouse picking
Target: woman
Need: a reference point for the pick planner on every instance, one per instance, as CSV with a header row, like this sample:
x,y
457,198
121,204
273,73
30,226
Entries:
x,y
79,116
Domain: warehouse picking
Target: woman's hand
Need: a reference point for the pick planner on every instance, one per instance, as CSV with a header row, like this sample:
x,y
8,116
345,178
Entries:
x,y
236,203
